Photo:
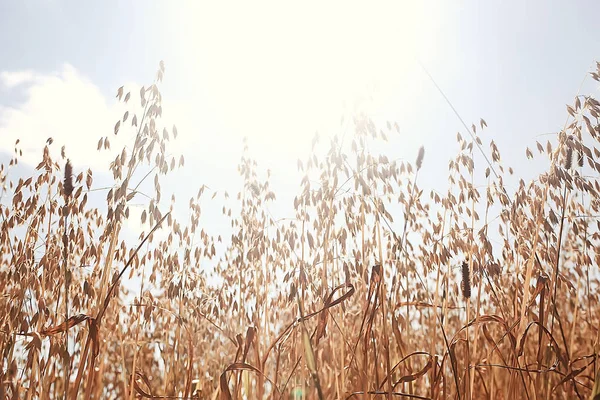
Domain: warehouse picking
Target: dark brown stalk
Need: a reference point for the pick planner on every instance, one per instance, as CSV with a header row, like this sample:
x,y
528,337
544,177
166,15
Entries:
x,y
67,192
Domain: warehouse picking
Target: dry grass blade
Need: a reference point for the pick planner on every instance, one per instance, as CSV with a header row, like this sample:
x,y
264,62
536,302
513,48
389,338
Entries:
x,y
71,322
225,392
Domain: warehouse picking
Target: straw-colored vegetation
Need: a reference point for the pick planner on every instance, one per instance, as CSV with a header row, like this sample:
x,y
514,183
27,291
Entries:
x,y
375,289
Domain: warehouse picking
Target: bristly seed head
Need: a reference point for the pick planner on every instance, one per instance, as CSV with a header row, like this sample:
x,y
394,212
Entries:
x,y
466,280
569,158
68,183
420,157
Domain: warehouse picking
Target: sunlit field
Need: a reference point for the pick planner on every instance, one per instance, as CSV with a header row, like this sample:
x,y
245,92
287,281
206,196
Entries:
x,y
360,279
334,303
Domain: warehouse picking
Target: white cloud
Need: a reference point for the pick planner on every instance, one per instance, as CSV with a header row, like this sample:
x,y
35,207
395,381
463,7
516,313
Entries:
x,y
16,78
72,110
66,107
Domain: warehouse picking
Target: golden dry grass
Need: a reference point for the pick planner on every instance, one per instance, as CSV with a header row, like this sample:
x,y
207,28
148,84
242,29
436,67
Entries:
x,y
483,292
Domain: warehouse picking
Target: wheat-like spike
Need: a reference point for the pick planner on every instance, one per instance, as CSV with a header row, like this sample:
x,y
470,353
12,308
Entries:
x,y
569,158
466,280
420,157
68,182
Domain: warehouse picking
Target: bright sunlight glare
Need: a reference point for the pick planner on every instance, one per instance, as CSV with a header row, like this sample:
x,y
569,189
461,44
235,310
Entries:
x,y
440,241
287,71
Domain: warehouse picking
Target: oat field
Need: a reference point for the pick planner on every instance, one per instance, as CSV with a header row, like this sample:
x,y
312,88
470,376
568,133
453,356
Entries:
x,y
376,289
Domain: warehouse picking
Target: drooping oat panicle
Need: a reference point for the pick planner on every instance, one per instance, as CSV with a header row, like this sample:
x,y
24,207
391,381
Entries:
x,y
466,280
580,159
68,182
420,157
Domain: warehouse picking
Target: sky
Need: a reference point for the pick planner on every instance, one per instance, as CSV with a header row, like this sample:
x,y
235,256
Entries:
x,y
277,72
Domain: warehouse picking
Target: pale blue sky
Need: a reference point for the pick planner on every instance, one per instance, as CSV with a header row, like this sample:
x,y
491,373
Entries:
x,y
278,73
